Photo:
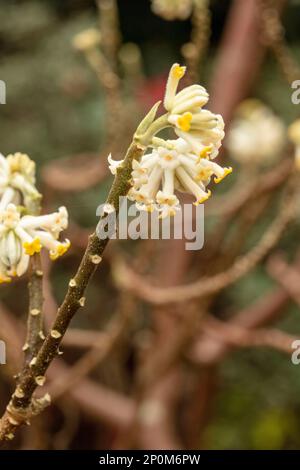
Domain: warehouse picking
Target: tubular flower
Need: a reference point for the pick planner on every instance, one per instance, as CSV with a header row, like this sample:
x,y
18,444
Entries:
x,y
183,164
257,135
113,165
17,180
164,170
196,125
172,10
294,136
21,237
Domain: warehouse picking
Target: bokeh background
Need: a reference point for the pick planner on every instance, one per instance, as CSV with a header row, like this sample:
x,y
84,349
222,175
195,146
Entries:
x,y
56,112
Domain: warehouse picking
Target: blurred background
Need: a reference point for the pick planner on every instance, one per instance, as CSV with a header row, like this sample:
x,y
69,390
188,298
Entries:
x,y
221,390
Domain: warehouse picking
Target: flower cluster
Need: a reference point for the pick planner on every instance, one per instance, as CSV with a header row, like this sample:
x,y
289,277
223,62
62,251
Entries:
x,y
165,169
184,164
199,127
257,136
23,235
17,179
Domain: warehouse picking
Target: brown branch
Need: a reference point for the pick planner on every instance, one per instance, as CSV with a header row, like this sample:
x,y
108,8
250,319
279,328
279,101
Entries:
x,y
194,51
82,339
22,407
155,414
110,30
99,351
35,335
8,333
208,350
232,202
238,336
76,173
274,38
96,400
287,276
239,58
126,278
163,359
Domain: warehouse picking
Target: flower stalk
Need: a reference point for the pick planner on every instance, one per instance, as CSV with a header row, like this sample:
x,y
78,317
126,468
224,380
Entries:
x,y
22,405
186,168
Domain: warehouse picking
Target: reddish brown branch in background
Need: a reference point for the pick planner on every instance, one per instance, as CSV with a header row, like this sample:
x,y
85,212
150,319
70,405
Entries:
x,y
286,275
266,310
97,401
76,173
210,285
231,83
238,336
239,58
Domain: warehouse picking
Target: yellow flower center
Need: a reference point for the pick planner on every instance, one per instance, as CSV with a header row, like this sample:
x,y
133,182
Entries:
x,y
178,71
14,167
32,247
205,152
227,171
184,121
204,174
60,250
203,199
140,197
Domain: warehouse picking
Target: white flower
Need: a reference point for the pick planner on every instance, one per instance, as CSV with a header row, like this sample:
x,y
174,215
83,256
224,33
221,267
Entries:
x,y
196,125
191,97
17,180
256,135
139,174
167,170
113,164
172,9
21,237
183,164
205,137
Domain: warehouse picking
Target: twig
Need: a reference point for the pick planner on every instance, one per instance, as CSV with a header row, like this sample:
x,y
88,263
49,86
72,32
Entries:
x,y
273,35
287,276
96,400
163,359
208,350
156,414
110,31
98,351
35,335
238,336
76,173
194,51
77,338
231,203
22,407
8,333
99,402
240,56
126,278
